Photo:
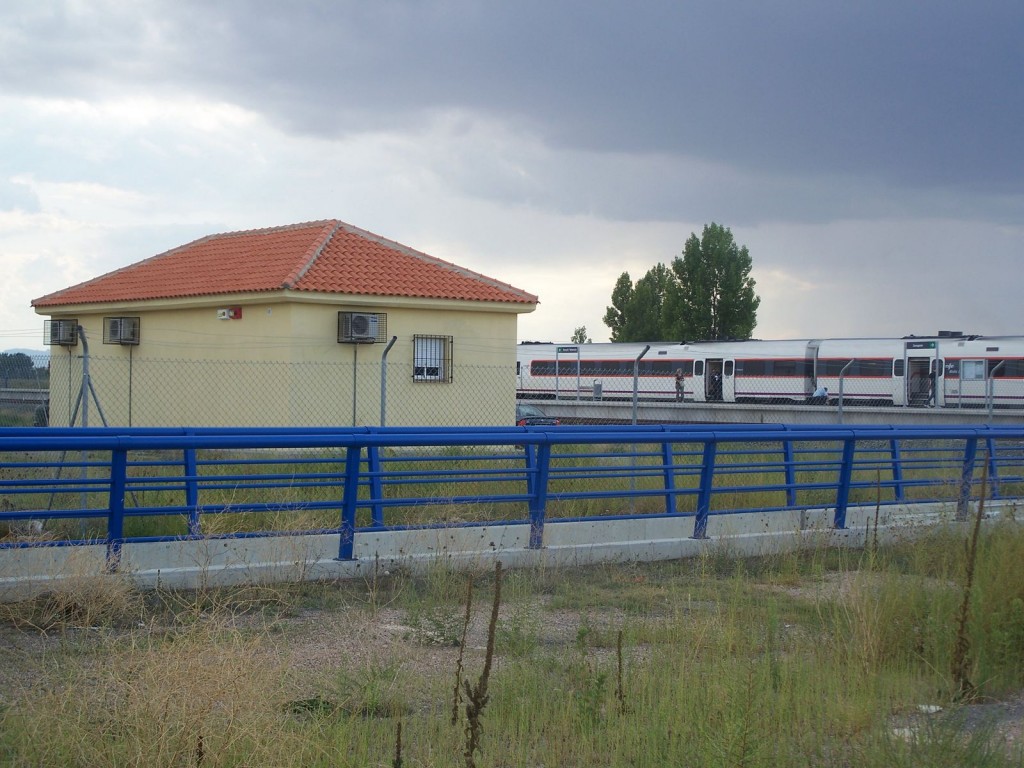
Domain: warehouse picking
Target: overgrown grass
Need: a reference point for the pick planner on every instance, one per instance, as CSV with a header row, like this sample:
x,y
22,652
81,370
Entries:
x,y
818,657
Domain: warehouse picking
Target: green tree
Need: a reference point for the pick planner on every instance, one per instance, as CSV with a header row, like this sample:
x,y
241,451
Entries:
x,y
712,296
637,310
579,336
15,366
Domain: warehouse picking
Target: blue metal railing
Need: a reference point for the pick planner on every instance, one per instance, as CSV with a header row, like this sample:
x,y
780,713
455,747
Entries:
x,y
111,481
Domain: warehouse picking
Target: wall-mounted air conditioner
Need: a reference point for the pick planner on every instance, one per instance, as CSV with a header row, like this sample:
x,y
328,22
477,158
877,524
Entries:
x,y
361,327
62,333
121,330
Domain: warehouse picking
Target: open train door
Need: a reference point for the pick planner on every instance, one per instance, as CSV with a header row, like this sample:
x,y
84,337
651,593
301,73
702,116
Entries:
x,y
922,374
719,383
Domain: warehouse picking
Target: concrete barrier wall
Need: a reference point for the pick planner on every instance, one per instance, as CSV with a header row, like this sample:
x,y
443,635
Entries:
x,y
226,561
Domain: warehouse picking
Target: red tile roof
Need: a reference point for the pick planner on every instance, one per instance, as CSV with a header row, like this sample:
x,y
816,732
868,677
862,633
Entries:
x,y
320,256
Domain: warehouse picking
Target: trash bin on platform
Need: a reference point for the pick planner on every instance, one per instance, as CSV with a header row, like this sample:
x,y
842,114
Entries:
x,y
598,389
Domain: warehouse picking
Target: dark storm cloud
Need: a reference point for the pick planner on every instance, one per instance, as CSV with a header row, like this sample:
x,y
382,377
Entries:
x,y
904,93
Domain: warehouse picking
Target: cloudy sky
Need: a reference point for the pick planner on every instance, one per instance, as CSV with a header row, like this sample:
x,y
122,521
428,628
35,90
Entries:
x,y
869,154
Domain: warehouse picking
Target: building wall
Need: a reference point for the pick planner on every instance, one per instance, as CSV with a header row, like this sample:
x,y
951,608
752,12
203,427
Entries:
x,y
280,364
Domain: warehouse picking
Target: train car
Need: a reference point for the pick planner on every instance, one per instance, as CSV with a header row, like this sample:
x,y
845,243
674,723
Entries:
x,y
861,371
947,370
750,372
598,370
975,372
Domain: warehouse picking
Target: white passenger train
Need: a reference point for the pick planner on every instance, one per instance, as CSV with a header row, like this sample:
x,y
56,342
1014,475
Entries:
x,y
947,370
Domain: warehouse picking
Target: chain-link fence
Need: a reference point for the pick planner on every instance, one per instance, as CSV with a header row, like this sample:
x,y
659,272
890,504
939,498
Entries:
x,y
122,391
69,389
24,389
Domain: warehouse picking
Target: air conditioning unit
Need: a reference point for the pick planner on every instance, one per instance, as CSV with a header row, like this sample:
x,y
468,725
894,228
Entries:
x,y
359,327
62,333
121,330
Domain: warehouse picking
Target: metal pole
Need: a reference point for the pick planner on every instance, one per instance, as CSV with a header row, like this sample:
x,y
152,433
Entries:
x,y
636,379
578,381
842,382
84,394
355,379
990,388
636,390
384,377
83,399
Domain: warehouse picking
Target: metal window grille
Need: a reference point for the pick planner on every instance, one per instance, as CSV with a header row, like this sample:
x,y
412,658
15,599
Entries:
x,y
432,358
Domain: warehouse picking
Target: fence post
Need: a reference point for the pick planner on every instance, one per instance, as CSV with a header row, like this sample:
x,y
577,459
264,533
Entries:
x,y
115,507
539,496
707,481
966,477
843,486
384,378
346,545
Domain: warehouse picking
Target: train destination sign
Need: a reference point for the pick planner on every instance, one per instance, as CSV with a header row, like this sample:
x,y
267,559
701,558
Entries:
x,y
920,345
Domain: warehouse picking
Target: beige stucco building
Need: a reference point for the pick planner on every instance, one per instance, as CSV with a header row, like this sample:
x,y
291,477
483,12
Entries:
x,y
311,324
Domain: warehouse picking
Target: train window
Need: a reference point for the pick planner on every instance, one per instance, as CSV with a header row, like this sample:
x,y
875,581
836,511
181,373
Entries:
x,y
831,367
872,368
972,370
656,368
784,368
1011,369
698,367
727,368
897,367
878,368
753,367
568,367
1014,369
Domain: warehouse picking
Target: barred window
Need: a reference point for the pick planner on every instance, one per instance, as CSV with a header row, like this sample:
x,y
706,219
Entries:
x,y
432,358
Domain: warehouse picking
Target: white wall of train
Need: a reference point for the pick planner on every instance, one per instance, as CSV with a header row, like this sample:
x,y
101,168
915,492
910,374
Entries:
x,y
949,370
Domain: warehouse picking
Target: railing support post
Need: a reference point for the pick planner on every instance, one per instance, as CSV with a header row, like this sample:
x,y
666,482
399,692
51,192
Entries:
x,y
376,486
897,470
115,507
539,496
966,477
346,545
993,470
843,486
668,471
192,492
707,481
787,459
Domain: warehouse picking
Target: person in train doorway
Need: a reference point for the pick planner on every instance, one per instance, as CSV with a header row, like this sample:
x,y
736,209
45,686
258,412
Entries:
x,y
820,396
715,395
680,385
